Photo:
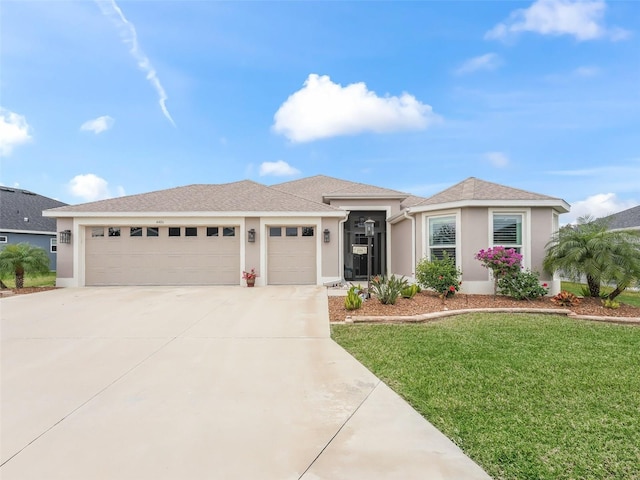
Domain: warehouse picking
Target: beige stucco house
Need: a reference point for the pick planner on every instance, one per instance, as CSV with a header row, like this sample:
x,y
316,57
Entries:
x,y
307,231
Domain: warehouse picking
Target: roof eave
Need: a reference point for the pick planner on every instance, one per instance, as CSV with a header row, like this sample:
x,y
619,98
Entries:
x,y
557,204
79,214
367,196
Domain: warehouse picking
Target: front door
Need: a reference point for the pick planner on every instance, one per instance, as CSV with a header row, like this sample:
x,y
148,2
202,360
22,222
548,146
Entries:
x,y
358,247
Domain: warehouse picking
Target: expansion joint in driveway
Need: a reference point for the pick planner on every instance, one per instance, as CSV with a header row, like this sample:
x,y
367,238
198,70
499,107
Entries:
x,y
339,429
98,393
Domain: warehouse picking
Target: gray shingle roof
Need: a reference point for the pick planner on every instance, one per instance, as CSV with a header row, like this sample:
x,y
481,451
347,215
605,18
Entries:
x,y
17,204
320,186
629,218
475,189
243,196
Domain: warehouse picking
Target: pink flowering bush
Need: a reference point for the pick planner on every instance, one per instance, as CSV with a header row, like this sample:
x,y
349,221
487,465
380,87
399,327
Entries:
x,y
501,261
509,278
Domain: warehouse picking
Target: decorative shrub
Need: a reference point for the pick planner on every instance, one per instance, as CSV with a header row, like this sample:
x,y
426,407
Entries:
x,y
523,285
353,300
610,304
501,261
441,275
566,299
388,289
410,291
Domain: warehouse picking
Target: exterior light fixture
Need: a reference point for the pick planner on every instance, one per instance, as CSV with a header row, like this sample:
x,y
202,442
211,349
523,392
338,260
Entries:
x,y
252,235
368,227
368,232
65,236
327,235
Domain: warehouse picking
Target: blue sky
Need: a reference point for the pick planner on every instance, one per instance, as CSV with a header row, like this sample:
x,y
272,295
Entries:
x,y
105,98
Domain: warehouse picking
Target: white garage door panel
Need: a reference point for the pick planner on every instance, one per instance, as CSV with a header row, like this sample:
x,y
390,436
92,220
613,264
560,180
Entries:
x,y
291,260
162,260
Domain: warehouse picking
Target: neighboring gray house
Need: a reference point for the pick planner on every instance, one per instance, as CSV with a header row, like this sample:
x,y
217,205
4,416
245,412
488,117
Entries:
x,y
625,220
21,220
307,231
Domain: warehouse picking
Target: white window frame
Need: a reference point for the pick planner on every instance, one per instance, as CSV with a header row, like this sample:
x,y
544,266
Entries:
x,y
53,245
525,240
427,223
4,239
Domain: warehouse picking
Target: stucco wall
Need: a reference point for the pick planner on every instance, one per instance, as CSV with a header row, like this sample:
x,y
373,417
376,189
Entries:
x,y
402,260
541,229
252,250
330,252
65,253
475,236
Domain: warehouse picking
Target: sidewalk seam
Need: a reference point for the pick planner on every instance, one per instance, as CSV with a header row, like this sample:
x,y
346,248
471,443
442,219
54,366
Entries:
x,y
340,429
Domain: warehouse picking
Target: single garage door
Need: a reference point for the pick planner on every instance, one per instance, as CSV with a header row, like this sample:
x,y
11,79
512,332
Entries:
x,y
291,255
162,255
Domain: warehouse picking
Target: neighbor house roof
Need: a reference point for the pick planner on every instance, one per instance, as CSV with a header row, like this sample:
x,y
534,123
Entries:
x,y
321,188
21,210
474,191
625,219
240,197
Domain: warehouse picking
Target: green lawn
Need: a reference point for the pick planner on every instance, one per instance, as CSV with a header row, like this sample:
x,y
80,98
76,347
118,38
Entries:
x,y
48,280
525,396
629,297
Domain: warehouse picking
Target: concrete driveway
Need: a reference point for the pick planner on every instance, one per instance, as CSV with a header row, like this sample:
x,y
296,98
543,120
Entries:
x,y
199,383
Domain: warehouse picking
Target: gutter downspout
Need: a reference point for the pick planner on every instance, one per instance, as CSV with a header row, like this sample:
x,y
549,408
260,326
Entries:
x,y
413,240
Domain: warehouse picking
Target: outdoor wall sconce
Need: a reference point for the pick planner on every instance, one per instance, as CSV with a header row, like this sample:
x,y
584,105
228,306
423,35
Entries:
x,y
252,235
327,235
65,236
368,228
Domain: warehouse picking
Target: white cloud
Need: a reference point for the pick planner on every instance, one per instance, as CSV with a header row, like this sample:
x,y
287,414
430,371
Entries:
x,y
497,159
582,19
98,125
279,168
488,61
129,36
91,187
597,206
323,109
14,131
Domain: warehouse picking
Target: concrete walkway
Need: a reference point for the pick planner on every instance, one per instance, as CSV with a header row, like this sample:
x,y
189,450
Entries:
x,y
199,383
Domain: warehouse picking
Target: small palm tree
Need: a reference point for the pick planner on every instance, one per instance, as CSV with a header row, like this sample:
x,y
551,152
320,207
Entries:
x,y
23,258
589,248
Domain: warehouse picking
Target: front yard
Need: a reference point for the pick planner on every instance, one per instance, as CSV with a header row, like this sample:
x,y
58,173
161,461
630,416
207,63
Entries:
x,y
526,396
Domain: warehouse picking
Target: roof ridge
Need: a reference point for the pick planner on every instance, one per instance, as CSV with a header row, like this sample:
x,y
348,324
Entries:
x,y
301,197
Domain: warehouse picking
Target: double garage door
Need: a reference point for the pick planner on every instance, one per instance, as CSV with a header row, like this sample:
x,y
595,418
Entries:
x,y
177,255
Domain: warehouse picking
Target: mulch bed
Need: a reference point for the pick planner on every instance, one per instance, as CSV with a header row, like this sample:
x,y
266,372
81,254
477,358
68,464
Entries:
x,y
428,302
25,290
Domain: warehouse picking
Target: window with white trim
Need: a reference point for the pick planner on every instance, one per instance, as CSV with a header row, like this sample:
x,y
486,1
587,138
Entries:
x,y
441,237
507,230
3,239
53,245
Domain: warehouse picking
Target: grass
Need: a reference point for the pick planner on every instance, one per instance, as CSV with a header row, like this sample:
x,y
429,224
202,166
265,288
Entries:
x,y
47,280
526,397
629,297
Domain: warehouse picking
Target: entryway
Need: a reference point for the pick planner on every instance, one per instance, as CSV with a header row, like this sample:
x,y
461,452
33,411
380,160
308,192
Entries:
x,y
358,246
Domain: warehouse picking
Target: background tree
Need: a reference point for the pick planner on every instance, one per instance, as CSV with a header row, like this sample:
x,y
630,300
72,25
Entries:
x,y
23,258
601,255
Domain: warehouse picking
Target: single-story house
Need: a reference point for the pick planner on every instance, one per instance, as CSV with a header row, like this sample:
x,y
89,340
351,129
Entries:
x,y
628,219
306,231
21,220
